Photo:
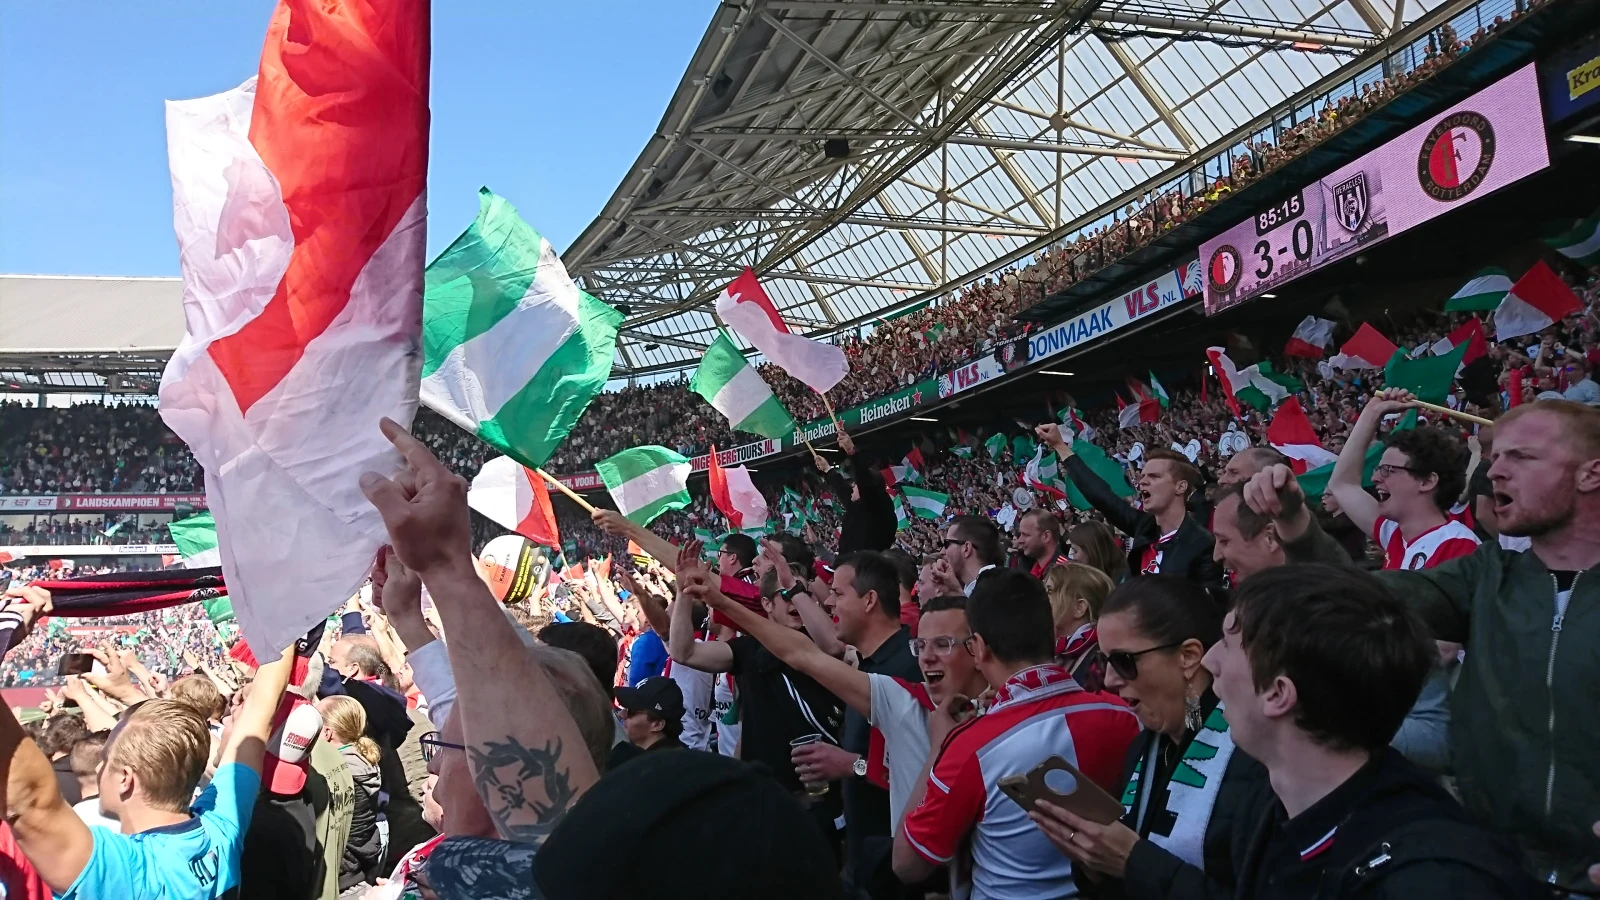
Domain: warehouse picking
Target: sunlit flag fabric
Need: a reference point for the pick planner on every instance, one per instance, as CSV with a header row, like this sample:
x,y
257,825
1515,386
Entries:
x,y
1482,293
514,350
1429,377
646,481
1469,332
924,504
1292,435
736,495
745,307
298,201
1248,385
1311,338
734,388
1538,300
1366,349
196,539
515,498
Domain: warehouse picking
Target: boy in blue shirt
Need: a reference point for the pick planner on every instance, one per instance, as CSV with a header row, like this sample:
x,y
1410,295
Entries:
x,y
169,848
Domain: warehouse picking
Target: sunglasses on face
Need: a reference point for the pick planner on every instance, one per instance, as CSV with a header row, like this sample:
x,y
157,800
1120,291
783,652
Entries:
x,y
954,542
942,645
1126,662
431,745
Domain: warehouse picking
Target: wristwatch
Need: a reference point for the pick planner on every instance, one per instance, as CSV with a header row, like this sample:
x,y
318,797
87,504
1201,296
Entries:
x,y
860,767
789,595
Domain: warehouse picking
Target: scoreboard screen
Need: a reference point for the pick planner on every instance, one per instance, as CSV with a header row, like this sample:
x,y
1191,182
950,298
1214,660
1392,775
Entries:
x,y
1484,143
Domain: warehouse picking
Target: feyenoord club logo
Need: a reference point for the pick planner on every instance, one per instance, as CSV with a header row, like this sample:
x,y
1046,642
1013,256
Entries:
x,y
1456,156
1224,269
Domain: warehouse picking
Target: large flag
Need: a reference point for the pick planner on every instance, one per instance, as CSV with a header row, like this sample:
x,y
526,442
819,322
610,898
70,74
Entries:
x,y
1248,385
1311,338
196,538
1470,333
925,504
646,481
1580,243
1071,419
996,445
736,495
298,201
1292,435
1108,469
1043,473
512,496
1161,391
1482,293
1315,481
734,388
744,306
1429,377
1144,411
1538,300
1366,349
514,351
901,518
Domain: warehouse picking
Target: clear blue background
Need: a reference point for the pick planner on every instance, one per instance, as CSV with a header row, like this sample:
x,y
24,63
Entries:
x,y
546,103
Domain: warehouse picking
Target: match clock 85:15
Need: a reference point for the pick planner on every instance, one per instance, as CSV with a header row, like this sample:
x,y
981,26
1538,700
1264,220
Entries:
x,y
1283,230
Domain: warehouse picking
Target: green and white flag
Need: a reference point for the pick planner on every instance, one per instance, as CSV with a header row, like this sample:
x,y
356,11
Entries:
x,y
1482,294
196,538
1580,244
961,451
996,444
1161,392
646,482
924,504
512,350
705,536
901,520
734,388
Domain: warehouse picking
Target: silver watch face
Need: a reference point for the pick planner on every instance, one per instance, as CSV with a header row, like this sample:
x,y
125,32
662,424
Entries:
x,y
860,768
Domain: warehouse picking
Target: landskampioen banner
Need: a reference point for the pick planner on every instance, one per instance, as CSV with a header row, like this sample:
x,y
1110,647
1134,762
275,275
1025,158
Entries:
x,y
100,502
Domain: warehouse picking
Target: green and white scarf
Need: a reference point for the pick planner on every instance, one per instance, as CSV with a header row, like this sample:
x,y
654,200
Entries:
x,y
1191,791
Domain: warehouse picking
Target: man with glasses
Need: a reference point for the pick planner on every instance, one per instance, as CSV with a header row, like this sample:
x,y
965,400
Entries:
x,y
1038,711
971,547
1422,472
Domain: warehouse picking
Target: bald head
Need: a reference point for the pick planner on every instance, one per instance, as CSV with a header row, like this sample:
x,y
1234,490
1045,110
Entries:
x,y
1246,463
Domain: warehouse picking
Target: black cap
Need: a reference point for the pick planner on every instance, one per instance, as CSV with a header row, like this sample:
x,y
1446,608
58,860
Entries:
x,y
655,812
657,695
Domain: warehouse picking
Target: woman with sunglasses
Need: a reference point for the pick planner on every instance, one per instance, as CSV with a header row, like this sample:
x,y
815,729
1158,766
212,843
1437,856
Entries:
x,y
1190,797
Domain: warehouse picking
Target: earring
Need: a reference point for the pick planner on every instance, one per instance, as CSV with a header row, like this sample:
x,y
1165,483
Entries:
x,y
1191,712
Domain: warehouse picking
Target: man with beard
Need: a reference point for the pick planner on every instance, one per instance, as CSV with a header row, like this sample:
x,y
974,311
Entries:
x,y
1523,728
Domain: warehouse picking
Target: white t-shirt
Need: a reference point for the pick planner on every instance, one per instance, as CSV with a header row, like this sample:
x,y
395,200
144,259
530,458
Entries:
x,y
696,687
89,811
724,693
900,714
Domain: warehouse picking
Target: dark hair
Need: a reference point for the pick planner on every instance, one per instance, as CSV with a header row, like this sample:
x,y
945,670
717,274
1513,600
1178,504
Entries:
x,y
1169,609
1357,655
1182,469
904,565
672,728
1010,610
1251,523
1046,520
61,731
795,550
743,546
1098,547
944,602
84,756
1435,450
591,642
982,533
872,572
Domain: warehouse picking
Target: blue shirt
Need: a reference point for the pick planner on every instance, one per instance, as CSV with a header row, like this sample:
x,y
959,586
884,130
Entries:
x,y
193,860
649,658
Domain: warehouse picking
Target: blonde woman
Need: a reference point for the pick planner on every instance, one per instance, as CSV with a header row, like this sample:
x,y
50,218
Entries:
x,y
344,725
1076,592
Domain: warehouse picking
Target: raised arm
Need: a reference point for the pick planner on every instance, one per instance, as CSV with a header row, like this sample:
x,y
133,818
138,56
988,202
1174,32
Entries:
x,y
613,523
706,656
529,760
1345,482
1118,513
50,834
839,677
824,633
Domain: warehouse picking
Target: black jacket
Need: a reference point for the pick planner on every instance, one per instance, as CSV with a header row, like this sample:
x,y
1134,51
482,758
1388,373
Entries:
x,y
868,523
1187,554
1390,832
1153,873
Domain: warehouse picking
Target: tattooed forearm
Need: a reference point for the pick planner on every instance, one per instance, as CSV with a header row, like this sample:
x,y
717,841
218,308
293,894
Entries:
x,y
526,790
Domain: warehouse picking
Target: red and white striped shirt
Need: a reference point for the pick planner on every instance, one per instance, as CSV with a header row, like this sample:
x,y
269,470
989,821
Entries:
x,y
1429,549
1039,713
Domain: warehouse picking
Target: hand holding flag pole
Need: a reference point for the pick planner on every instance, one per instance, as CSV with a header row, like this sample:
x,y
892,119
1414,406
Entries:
x,y
571,494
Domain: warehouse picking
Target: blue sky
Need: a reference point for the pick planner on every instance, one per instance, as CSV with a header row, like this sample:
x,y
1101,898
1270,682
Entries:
x,y
546,103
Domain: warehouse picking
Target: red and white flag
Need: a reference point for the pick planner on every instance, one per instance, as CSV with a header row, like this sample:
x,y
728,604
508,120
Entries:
x,y
1145,411
1470,331
1538,300
512,496
736,496
1292,435
298,200
1311,338
745,307
1367,349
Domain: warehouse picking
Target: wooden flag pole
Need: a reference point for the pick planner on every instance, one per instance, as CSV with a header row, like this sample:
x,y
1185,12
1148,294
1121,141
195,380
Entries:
x,y
571,494
837,428
1453,413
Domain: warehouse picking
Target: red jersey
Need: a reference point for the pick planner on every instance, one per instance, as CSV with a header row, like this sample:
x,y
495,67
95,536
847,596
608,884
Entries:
x,y
1038,713
1432,547
1150,557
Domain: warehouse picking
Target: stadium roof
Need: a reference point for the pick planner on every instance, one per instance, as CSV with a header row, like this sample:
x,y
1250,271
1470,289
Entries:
x,y
866,154
68,331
